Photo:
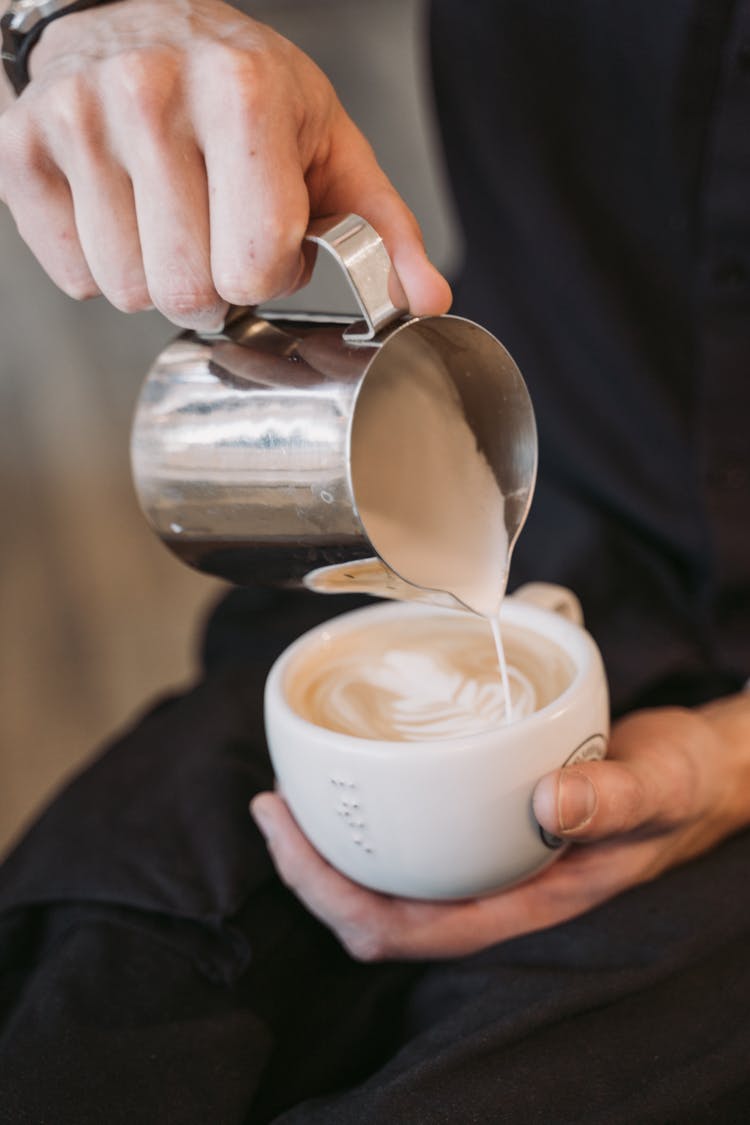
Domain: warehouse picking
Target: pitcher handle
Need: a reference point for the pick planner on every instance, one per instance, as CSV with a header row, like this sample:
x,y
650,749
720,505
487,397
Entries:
x,y
362,255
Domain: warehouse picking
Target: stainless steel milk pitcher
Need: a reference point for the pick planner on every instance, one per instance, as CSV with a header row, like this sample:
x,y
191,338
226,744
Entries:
x,y
338,453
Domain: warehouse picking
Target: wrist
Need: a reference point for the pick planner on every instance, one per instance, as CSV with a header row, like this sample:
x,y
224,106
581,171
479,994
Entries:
x,y
729,719
23,25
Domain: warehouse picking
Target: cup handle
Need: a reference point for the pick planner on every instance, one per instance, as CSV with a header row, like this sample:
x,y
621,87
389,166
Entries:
x,y
361,253
555,599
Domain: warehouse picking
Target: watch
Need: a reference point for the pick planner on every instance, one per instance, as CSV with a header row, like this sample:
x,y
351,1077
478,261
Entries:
x,y
23,23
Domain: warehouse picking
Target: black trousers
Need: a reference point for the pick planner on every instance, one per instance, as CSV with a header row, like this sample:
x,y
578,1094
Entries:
x,y
153,971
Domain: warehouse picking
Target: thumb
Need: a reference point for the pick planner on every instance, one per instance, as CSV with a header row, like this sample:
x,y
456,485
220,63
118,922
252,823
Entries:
x,y
660,773
425,290
592,801
356,183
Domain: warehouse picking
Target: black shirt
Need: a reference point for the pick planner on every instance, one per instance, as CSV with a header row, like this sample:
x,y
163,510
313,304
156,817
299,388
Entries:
x,y
600,158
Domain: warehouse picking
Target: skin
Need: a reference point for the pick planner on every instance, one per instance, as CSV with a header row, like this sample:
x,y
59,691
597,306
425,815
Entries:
x,y
170,153
675,784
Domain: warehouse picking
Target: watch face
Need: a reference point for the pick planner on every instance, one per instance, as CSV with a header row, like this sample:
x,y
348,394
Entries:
x,y
10,37
11,44
19,13
26,14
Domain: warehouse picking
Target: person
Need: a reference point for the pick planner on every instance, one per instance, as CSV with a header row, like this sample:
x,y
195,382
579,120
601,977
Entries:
x,y
157,967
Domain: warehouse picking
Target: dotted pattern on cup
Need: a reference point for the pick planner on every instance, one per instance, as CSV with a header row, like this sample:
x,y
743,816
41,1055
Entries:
x,y
348,806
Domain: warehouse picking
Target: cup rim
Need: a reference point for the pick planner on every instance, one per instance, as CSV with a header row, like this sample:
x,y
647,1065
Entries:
x,y
572,638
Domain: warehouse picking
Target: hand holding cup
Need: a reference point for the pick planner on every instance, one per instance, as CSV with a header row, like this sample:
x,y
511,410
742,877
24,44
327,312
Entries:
x,y
399,757
672,787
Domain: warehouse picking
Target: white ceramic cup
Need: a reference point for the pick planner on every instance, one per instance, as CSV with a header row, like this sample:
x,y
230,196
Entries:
x,y
449,818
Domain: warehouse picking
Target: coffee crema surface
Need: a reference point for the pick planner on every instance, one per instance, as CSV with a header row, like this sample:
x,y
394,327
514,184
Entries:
x,y
424,678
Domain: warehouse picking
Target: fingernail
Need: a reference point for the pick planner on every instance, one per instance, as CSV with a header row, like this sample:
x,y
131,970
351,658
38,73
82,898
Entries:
x,y
213,320
207,320
576,800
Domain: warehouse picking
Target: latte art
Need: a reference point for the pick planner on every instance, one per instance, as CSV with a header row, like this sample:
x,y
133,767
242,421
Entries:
x,y
422,679
410,696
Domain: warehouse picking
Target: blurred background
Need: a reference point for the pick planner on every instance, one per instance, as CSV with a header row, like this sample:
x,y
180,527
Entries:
x,y
97,618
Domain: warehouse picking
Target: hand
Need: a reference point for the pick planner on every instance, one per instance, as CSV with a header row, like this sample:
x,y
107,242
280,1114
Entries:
x,y
171,152
676,783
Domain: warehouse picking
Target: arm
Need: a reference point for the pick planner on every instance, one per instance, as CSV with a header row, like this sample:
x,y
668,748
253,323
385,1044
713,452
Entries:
x,y
170,153
676,784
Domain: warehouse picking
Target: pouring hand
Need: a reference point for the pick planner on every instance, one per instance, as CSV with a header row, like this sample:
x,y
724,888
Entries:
x,y
169,153
674,786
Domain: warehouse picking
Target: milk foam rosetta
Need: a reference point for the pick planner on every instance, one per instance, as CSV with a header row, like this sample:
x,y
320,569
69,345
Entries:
x,y
420,678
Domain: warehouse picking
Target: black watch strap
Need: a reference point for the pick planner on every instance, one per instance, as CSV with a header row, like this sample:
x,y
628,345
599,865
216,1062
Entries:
x,y
19,34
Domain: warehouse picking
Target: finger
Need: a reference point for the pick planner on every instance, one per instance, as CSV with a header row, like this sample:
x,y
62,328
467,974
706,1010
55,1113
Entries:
x,y
593,802
108,231
375,927
172,212
370,926
40,201
45,218
580,880
102,198
156,147
353,181
352,912
258,208
652,782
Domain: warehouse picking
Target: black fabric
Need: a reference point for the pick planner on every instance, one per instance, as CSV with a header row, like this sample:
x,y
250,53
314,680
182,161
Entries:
x,y
154,970
152,967
151,960
600,157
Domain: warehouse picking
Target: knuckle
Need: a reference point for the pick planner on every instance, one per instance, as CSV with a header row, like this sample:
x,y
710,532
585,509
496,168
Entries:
x,y
236,88
75,111
23,154
284,234
681,777
149,80
622,799
243,84
631,805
